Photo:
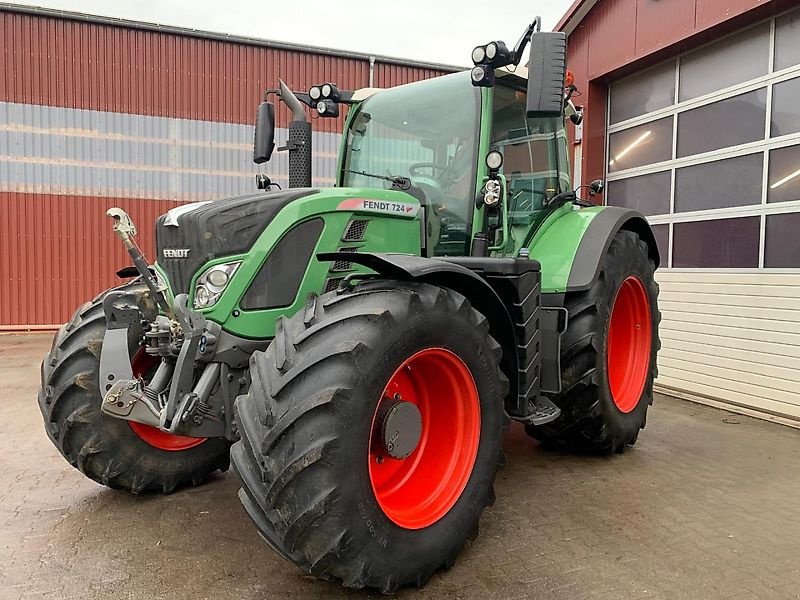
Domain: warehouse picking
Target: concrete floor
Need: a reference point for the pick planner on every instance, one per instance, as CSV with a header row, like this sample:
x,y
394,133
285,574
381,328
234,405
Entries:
x,y
707,505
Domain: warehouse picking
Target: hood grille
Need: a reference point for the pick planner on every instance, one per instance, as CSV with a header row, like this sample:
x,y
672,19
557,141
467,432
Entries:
x,y
215,229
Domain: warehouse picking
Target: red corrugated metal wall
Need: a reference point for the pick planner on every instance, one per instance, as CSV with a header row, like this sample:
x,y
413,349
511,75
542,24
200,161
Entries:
x,y
58,251
75,64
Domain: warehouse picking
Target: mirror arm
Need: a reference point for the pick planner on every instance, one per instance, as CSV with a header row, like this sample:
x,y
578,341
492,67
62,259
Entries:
x,y
519,48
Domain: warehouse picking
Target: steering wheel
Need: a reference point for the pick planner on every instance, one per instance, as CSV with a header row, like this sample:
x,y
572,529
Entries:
x,y
414,169
445,212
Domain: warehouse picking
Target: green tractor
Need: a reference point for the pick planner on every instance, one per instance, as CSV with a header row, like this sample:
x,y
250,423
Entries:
x,y
358,351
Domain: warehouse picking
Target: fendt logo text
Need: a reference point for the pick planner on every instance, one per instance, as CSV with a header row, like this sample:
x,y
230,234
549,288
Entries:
x,y
176,252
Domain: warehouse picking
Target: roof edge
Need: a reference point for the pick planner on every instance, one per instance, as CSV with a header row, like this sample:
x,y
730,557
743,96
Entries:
x,y
574,15
218,36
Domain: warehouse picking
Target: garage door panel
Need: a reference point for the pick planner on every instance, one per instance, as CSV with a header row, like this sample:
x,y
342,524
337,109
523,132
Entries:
x,y
669,384
723,311
726,387
785,327
743,363
731,332
728,277
755,302
724,346
737,289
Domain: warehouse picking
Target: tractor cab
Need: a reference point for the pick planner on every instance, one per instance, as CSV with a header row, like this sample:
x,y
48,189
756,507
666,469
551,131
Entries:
x,y
483,152
433,137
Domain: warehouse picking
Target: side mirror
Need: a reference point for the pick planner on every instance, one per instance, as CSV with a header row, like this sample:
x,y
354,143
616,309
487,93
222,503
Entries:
x,y
264,137
596,187
546,71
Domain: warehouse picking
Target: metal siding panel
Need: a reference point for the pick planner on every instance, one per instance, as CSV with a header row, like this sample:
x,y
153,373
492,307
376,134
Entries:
x,y
52,238
660,24
713,12
612,35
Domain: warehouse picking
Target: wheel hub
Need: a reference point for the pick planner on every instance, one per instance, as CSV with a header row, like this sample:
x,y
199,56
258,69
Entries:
x,y
401,428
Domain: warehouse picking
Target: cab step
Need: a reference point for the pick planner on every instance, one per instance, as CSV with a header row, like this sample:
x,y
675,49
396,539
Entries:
x,y
541,411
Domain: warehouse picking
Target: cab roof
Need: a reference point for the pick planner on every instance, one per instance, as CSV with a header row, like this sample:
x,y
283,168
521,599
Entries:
x,y
521,72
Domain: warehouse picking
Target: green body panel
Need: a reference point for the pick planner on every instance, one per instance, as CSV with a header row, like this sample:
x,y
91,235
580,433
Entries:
x,y
387,232
556,242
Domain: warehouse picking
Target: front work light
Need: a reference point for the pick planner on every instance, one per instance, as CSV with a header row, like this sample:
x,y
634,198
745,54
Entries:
x,y
486,59
330,92
327,108
494,54
482,76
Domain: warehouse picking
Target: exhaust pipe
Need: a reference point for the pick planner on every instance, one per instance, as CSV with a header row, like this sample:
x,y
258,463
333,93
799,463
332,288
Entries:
x,y
299,142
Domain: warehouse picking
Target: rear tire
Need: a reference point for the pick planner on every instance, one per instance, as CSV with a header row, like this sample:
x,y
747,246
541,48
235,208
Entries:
x,y
102,447
306,455
603,408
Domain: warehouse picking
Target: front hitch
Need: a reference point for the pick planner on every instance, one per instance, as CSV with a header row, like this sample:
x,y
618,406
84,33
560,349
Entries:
x,y
180,389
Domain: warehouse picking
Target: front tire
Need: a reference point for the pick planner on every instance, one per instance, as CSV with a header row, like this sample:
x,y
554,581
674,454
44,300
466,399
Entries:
x,y
114,452
608,355
316,480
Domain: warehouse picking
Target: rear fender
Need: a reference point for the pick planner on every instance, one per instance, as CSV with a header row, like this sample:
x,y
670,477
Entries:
x,y
572,245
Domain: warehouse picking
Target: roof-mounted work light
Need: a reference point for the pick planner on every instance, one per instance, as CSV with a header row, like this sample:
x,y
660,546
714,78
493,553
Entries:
x,y
486,59
327,108
496,54
325,99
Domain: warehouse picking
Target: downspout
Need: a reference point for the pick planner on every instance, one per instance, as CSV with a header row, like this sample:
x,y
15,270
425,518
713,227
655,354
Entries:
x,y
371,71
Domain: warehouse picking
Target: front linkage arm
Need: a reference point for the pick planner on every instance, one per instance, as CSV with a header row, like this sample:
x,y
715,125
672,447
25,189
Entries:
x,y
126,230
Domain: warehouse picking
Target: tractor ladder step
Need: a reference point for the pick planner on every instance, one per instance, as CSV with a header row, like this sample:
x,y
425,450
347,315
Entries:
x,y
541,411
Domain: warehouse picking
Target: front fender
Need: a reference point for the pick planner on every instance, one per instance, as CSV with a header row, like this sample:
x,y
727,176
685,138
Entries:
x,y
570,245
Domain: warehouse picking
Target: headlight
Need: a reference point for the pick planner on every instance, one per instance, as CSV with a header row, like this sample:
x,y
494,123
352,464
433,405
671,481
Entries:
x,y
212,283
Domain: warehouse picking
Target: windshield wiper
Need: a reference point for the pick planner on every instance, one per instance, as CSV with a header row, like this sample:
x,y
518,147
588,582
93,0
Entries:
x,y
398,181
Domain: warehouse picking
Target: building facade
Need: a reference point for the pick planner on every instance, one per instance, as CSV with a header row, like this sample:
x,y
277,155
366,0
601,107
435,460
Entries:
x,y
98,112
692,116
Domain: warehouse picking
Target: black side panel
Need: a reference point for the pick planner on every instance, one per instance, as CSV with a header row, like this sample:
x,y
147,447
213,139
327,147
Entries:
x,y
278,280
522,296
219,228
597,239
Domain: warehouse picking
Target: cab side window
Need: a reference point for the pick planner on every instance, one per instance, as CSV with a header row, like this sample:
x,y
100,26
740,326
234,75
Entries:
x,y
530,154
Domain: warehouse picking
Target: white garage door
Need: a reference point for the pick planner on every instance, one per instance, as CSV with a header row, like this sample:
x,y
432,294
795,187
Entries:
x,y
711,155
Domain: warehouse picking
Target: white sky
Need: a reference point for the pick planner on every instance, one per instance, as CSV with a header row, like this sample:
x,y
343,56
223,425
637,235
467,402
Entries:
x,y
443,31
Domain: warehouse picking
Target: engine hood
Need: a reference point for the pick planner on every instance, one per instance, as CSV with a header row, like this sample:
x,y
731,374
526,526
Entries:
x,y
192,234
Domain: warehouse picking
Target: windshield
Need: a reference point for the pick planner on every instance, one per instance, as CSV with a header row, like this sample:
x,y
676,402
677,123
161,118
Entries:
x,y
427,132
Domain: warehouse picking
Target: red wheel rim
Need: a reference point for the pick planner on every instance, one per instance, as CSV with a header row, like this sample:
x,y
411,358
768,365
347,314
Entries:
x,y
629,342
141,364
418,490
